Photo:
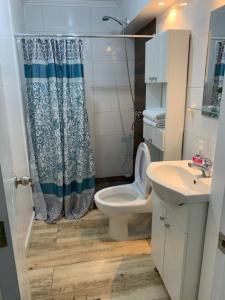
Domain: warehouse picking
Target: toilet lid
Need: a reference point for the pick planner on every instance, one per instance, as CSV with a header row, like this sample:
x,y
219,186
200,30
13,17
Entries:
x,y
141,163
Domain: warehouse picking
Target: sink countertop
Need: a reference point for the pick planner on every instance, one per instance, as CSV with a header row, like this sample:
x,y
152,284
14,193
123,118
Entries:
x,y
177,183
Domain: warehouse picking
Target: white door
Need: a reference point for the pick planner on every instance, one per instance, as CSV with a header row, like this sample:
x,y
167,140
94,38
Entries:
x,y
15,203
218,196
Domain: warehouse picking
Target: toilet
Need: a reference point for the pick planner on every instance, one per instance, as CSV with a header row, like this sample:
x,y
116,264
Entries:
x,y
124,203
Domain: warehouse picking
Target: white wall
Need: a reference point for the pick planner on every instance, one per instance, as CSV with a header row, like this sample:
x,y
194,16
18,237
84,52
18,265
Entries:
x,y
108,92
131,9
195,17
18,15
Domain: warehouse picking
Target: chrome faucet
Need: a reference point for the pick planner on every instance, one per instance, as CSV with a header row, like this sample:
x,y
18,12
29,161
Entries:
x,y
205,166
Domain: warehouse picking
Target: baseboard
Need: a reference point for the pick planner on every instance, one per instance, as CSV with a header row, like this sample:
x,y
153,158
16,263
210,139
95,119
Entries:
x,y
27,240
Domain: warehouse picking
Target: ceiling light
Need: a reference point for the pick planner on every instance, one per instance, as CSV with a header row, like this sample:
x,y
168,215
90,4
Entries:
x,y
161,3
108,49
183,4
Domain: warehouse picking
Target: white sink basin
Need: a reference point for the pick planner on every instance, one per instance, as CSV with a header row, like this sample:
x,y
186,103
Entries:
x,y
176,183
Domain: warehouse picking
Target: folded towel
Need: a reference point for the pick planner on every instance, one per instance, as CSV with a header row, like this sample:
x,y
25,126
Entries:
x,y
155,114
160,124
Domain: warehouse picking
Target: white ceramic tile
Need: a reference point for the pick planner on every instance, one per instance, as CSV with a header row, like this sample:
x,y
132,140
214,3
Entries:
x,y
17,7
99,26
201,126
125,98
115,166
34,18
112,49
105,99
88,50
113,123
89,99
128,119
197,61
122,74
91,128
114,145
67,19
194,97
104,74
190,145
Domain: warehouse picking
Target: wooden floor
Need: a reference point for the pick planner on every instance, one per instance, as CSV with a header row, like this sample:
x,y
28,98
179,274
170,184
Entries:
x,y
77,260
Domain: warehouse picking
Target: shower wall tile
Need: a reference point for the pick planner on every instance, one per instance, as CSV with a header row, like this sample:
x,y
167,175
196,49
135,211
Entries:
x,y
69,19
104,74
113,123
109,102
112,49
112,99
97,25
105,99
115,166
34,18
121,73
115,145
125,99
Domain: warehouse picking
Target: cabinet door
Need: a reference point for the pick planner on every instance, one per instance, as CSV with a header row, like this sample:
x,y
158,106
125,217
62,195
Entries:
x,y
158,233
151,61
175,244
162,57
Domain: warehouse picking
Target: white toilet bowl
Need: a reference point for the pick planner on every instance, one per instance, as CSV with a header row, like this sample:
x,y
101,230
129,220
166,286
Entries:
x,y
120,202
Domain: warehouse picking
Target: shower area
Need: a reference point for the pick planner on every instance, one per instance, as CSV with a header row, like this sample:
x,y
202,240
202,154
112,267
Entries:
x,y
90,136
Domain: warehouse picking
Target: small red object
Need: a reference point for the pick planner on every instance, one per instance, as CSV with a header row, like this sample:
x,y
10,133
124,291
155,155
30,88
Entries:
x,y
197,159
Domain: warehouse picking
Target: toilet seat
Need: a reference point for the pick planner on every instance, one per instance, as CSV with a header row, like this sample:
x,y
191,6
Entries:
x,y
141,163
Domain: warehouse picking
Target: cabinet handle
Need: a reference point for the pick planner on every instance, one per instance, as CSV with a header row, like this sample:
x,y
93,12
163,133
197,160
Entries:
x,y
167,225
162,218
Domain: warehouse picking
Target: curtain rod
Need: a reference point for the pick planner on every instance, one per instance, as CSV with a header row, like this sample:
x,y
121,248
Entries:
x,y
217,38
24,35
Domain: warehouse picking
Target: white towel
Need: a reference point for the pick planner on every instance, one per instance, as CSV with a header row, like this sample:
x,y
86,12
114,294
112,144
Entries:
x,y
155,114
160,124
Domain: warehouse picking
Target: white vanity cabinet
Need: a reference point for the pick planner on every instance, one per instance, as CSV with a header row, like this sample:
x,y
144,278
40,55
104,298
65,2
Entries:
x,y
177,246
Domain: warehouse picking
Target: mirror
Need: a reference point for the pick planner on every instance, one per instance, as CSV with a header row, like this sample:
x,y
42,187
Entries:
x,y
215,66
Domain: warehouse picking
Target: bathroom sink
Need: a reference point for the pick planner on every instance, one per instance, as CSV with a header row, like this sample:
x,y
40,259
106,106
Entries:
x,y
176,183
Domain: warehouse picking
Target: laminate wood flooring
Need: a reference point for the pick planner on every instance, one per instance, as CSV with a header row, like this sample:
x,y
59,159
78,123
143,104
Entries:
x,y
76,260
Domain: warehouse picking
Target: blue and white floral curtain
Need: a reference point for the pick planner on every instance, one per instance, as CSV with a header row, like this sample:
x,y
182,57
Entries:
x,y
61,158
218,75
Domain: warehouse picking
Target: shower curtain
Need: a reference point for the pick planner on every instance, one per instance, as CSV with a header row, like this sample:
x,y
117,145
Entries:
x,y
218,75
61,158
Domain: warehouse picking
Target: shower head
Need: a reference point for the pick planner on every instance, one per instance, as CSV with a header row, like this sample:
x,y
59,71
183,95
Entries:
x,y
121,23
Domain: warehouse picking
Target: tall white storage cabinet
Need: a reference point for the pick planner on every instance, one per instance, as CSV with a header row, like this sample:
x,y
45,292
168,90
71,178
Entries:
x,y
166,63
